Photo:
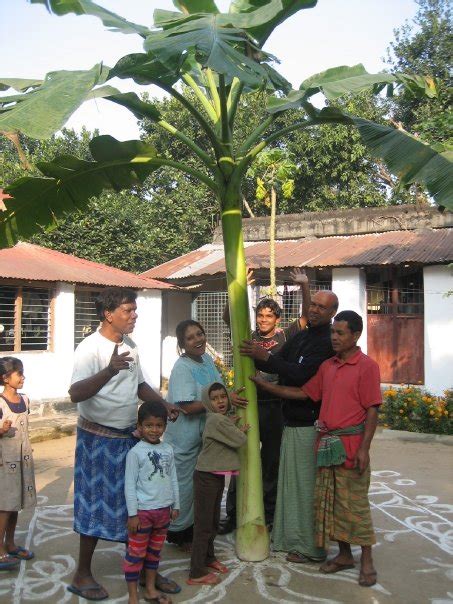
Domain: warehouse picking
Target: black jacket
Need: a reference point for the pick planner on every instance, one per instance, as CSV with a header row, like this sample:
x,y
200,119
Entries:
x,y
296,362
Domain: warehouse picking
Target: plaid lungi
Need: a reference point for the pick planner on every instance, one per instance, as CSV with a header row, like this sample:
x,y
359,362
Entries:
x,y
100,459
342,507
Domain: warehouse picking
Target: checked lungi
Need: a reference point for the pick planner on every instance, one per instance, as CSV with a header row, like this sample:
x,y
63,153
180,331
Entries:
x,y
100,460
342,507
144,546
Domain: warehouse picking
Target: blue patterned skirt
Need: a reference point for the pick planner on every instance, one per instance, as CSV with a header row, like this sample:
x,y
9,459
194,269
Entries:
x,y
100,460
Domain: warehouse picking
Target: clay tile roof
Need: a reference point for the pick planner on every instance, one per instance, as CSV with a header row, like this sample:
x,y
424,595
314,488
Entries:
x,y
427,246
35,263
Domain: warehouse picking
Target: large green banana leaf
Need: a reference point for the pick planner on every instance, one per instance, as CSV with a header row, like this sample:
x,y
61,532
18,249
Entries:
x,y
196,6
147,69
19,84
47,107
340,81
85,7
70,182
219,41
262,31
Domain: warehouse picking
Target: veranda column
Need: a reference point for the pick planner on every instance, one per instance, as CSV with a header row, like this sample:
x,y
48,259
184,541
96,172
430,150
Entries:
x,y
438,316
349,283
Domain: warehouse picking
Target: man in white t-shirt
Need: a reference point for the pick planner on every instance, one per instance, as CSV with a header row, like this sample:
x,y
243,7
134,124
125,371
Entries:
x,y
107,383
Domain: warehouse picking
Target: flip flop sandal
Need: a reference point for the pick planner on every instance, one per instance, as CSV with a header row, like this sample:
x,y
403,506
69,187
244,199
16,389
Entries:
x,y
210,579
218,566
21,553
297,558
334,567
160,599
82,592
367,579
8,562
166,585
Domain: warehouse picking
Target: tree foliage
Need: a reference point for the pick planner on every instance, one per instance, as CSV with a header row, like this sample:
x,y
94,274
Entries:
x,y
132,230
425,46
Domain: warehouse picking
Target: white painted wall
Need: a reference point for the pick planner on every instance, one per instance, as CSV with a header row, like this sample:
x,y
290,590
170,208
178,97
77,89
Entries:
x,y
177,307
48,373
349,283
147,334
437,280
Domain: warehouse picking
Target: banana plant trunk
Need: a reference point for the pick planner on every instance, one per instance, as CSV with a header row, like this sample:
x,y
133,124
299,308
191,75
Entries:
x,y
273,279
252,538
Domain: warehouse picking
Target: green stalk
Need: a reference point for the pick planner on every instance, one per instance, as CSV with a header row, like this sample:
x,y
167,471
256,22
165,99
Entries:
x,y
252,538
213,90
201,97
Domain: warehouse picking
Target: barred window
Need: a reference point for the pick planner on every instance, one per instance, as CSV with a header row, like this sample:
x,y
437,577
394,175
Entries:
x,y
25,314
85,321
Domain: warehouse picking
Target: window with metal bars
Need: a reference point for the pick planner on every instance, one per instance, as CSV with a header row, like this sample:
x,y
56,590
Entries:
x,y
26,317
395,291
207,308
85,320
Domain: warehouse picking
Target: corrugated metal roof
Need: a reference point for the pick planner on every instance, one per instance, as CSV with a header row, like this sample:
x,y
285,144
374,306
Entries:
x,y
427,246
35,263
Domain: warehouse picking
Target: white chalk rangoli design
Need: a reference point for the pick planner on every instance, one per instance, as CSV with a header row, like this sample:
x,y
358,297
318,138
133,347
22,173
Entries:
x,y
396,516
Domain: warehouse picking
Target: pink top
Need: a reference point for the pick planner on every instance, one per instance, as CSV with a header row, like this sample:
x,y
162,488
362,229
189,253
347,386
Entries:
x,y
347,389
227,473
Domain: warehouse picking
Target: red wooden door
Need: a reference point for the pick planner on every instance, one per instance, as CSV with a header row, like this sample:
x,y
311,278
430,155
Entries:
x,y
396,343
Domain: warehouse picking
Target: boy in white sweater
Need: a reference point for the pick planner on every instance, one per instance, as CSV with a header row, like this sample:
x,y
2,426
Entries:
x,y
152,499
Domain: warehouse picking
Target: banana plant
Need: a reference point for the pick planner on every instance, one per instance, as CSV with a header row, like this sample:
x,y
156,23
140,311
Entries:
x,y
220,57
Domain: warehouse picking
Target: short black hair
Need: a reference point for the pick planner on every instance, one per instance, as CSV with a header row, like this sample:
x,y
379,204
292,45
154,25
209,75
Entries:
x,y
111,298
216,386
8,365
271,305
151,409
353,320
181,329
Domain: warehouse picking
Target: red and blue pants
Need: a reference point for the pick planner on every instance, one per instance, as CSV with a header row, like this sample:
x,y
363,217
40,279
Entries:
x,y
144,546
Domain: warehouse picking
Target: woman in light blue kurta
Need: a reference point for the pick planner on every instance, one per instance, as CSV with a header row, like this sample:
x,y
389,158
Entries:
x,y
193,371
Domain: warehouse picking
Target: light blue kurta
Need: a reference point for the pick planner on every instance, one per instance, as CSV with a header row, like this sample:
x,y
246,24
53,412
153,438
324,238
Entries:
x,y
187,380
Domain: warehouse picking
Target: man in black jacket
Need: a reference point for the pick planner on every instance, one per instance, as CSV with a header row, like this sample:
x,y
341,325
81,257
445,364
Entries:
x,y
296,362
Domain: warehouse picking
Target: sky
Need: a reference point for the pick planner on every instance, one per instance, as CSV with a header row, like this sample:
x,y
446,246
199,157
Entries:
x,y
335,32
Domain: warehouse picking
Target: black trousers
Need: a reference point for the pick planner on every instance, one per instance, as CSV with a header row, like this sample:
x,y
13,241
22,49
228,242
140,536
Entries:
x,y
207,497
271,429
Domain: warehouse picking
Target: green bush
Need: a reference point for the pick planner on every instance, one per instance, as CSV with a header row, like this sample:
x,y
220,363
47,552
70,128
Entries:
x,y
416,410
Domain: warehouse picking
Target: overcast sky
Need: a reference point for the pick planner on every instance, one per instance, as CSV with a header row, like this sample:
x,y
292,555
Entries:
x,y
335,32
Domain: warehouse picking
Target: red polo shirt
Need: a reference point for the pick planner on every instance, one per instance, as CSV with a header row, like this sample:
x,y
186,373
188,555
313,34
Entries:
x,y
347,389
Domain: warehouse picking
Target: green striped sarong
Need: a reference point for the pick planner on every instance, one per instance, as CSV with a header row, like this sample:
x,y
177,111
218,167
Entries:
x,y
294,512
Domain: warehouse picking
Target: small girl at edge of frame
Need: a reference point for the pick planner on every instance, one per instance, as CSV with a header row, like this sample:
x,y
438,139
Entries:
x,y
218,458
17,477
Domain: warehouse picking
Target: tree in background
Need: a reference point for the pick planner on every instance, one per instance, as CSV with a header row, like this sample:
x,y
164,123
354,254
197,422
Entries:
x,y
426,47
221,58
131,230
274,172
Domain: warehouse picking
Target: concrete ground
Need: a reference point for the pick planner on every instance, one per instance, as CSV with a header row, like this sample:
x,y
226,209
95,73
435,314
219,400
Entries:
x,y
411,495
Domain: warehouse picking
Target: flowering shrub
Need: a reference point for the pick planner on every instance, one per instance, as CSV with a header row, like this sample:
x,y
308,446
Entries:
x,y
226,373
416,410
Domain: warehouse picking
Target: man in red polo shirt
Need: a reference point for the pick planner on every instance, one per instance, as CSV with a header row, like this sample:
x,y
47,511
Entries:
x,y
349,386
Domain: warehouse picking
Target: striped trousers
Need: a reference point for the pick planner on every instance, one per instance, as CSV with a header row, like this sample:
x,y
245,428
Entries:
x,y
144,546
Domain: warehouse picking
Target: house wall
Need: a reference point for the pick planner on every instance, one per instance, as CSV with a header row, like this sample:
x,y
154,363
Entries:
x,y
48,373
147,334
177,306
438,280
349,284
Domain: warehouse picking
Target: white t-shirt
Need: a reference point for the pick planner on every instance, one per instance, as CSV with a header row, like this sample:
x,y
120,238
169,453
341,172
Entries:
x,y
115,404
